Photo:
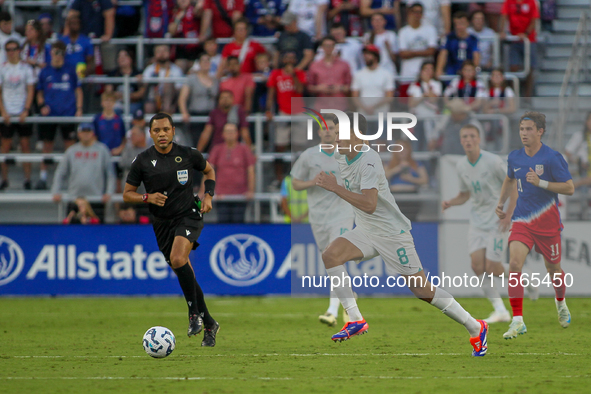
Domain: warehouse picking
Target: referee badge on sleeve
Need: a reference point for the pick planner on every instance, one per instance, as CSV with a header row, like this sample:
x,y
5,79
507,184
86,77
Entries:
x,y
182,176
539,169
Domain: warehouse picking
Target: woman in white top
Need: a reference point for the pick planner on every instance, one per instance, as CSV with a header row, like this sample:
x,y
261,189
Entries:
x,y
385,40
34,49
424,101
501,98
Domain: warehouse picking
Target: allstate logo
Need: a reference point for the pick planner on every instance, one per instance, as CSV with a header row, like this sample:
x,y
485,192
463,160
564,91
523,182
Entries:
x,y
242,259
12,260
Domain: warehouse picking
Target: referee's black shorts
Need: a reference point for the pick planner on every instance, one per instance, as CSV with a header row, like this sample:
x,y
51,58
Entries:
x,y
166,230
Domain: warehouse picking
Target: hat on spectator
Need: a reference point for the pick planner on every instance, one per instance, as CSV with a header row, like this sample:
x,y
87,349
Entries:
x,y
288,17
372,49
86,127
138,114
45,15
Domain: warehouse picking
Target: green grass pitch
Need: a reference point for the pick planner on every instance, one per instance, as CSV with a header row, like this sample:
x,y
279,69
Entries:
x,y
277,345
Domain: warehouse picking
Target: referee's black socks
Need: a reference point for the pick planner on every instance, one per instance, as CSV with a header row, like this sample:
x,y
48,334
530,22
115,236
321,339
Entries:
x,y
207,319
189,286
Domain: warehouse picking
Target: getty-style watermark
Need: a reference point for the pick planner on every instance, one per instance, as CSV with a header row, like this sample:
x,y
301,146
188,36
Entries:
x,y
344,132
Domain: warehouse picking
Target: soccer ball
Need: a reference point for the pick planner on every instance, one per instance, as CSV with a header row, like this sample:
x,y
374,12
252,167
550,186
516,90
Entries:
x,y
159,342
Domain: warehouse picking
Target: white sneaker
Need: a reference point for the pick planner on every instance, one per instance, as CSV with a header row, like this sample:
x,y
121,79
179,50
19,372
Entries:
x,y
328,319
515,328
533,292
498,317
563,314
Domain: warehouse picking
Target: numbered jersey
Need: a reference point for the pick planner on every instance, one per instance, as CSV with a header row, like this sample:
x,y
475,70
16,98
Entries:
x,y
536,207
364,172
483,180
324,207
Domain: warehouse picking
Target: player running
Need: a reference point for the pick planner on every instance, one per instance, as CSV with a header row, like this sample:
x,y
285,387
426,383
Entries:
x,y
540,173
481,176
381,229
329,216
166,169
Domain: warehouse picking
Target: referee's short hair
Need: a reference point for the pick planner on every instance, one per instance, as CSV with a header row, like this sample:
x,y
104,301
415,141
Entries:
x,y
161,115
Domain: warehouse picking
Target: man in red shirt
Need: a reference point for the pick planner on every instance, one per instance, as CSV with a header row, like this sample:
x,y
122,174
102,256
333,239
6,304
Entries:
x,y
234,48
522,16
283,85
220,20
239,83
234,165
329,77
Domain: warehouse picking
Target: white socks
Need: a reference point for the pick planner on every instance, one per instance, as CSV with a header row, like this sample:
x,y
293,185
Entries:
x,y
333,307
344,292
445,302
493,295
518,318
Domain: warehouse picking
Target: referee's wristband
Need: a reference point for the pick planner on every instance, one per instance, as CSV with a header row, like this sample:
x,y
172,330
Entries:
x,y
209,187
543,184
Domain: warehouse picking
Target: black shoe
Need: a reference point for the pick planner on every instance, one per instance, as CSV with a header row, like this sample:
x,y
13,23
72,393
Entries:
x,y
195,325
209,336
4,185
41,185
27,185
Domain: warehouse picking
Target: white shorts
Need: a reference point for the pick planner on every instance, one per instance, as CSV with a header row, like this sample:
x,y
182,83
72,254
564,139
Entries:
x,y
324,234
494,241
397,251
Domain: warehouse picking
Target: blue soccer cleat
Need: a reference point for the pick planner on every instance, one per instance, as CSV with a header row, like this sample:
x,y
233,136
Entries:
x,y
351,329
479,343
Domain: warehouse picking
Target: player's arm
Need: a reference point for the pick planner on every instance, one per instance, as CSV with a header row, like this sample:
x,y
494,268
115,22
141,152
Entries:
x,y
460,199
567,187
299,185
367,201
509,185
209,182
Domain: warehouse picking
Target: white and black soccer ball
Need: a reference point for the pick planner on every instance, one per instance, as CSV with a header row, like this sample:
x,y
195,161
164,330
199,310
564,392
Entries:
x,y
159,342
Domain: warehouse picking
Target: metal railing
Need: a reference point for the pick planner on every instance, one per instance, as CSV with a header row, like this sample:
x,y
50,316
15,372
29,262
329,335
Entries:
x,y
569,91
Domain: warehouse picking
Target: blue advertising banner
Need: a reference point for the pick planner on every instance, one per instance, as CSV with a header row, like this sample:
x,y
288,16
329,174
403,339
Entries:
x,y
125,260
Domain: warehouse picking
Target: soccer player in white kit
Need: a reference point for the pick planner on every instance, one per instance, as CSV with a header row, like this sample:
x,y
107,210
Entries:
x,y
329,216
481,176
381,229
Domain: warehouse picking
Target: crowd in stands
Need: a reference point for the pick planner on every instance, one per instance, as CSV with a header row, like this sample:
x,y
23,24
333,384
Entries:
x,y
373,51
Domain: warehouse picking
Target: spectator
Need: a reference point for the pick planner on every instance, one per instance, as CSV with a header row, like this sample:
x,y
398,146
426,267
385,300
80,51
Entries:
x,y
220,15
108,126
467,86
79,49
417,43
246,57
330,77
385,41
577,151
491,11
46,21
390,9
446,136
63,98
404,173
17,90
162,96
128,215
373,86
284,84
346,14
265,16
234,165
34,50
157,14
210,47
88,169
457,47
293,40
311,16
81,212
139,120
348,49
226,112
261,76
6,34
127,21
137,91
184,23
137,144
486,37
294,203
424,103
522,16
437,13
500,100
239,83
197,97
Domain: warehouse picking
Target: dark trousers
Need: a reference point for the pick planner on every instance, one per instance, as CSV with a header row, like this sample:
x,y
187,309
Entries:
x,y
231,212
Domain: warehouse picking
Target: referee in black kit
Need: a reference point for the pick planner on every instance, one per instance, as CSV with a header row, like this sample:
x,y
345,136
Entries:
x,y
166,169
